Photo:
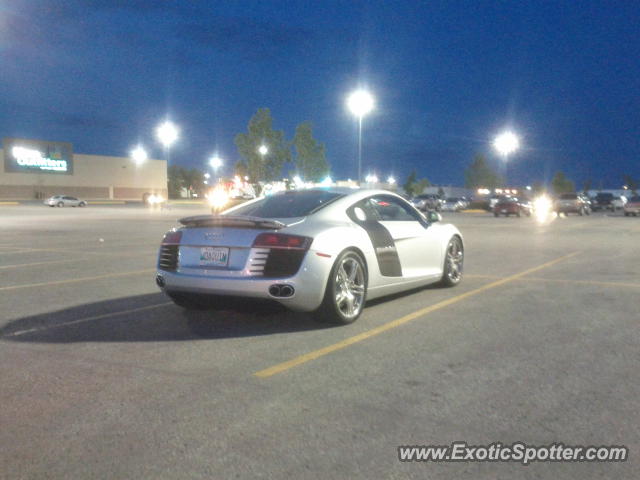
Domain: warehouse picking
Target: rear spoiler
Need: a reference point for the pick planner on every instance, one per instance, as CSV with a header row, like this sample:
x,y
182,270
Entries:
x,y
238,221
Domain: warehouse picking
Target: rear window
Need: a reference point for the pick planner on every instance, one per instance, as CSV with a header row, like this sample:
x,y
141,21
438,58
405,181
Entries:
x,y
604,196
288,204
568,196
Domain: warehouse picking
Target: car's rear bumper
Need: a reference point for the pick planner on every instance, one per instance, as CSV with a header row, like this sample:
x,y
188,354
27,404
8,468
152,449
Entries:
x,y
308,283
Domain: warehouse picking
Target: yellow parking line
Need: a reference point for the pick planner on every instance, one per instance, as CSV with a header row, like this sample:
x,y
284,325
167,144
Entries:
x,y
87,319
9,203
570,281
294,362
583,282
77,280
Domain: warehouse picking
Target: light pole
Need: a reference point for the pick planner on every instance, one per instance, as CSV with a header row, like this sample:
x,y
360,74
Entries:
x,y
505,144
167,133
360,103
139,155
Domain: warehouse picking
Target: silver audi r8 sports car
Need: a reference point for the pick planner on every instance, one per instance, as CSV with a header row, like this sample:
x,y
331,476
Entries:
x,y
324,250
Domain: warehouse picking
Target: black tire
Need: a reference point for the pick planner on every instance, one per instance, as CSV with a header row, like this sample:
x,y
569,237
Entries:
x,y
60,204
453,263
343,280
82,204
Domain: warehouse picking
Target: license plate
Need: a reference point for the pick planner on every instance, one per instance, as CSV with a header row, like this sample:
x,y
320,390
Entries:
x,y
214,256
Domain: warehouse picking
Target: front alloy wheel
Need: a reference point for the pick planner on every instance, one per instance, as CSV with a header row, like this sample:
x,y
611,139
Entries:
x,y
346,290
453,263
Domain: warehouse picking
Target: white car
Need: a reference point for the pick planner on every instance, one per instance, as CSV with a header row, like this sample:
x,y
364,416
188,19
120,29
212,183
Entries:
x,y
322,250
64,201
453,204
619,202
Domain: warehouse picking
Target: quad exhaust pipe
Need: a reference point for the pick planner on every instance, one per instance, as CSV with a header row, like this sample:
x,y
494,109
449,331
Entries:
x,y
281,290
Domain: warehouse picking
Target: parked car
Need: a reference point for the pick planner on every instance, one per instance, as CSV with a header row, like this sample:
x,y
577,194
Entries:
x,y
64,201
427,201
322,251
632,207
619,202
572,203
512,206
603,201
453,204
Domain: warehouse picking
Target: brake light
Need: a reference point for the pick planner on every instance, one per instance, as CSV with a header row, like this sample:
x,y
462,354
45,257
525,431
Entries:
x,y
172,237
280,240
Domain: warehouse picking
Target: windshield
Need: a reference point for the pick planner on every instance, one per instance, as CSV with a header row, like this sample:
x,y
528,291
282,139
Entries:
x,y
288,205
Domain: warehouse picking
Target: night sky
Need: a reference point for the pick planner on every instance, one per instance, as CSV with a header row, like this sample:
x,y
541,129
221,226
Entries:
x,y
447,77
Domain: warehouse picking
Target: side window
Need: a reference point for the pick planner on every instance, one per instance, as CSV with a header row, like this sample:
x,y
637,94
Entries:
x,y
390,209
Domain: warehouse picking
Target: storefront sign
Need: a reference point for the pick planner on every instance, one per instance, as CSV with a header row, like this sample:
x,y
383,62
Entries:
x,y
37,156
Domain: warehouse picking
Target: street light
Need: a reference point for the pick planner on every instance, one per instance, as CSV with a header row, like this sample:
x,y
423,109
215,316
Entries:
x,y
215,162
391,180
139,155
360,103
167,133
505,144
263,150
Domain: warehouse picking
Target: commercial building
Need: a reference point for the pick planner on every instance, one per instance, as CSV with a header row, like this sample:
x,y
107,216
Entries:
x,y
36,169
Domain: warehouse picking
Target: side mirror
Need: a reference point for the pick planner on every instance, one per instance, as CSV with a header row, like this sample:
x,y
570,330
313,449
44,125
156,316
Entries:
x,y
433,217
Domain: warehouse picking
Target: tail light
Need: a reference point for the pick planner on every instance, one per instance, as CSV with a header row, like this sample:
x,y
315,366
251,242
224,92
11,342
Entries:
x,y
172,237
283,241
286,253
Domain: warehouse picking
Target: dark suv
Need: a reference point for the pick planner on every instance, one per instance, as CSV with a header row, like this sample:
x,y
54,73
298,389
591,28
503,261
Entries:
x,y
603,201
572,203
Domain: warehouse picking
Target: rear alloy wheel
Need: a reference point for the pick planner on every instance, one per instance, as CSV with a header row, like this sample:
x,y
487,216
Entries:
x,y
453,263
346,290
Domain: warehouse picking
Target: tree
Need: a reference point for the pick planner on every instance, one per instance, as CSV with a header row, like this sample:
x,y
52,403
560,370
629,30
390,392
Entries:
x,y
240,169
562,184
175,180
193,180
422,184
410,185
179,178
261,132
310,160
480,175
413,186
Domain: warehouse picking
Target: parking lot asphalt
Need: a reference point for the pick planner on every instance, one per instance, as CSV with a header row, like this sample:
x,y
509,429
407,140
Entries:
x,y
102,377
